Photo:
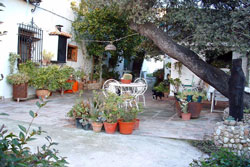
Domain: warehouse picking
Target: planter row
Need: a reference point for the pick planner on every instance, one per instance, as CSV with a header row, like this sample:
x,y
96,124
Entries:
x,y
110,128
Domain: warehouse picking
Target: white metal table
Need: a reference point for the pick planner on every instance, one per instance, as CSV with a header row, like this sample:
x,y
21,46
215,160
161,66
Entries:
x,y
132,89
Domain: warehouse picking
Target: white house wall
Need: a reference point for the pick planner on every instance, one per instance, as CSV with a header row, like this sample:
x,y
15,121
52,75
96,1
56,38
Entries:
x,y
18,11
186,76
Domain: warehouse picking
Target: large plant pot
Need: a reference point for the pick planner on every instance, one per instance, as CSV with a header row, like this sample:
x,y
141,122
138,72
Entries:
x,y
126,128
97,126
185,116
74,86
110,127
136,124
20,91
125,81
42,93
195,109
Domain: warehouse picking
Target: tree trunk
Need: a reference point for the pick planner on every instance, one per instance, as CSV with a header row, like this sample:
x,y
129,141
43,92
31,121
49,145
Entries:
x,y
213,76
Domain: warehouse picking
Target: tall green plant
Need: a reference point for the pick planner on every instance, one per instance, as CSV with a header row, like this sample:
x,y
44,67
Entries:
x,y
104,24
13,57
15,152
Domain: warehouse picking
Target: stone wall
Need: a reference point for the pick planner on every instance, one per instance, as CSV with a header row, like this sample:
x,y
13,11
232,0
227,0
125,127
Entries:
x,y
233,135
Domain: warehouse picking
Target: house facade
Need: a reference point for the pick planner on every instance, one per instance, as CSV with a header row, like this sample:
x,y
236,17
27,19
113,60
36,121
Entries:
x,y
34,27
188,78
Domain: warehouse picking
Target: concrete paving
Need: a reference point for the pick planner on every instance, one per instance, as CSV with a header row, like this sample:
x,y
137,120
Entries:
x,y
149,146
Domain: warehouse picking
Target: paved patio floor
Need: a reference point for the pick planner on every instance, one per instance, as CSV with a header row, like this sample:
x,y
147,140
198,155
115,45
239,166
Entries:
x,y
154,144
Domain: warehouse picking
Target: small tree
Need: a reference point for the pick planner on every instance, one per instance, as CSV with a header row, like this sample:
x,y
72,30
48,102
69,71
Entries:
x,y
104,24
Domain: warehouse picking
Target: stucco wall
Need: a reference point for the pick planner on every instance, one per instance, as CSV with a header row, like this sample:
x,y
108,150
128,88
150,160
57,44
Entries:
x,y
18,11
186,76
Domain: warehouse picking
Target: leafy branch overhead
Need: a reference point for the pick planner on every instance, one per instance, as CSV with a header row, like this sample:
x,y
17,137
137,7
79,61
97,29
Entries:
x,y
104,24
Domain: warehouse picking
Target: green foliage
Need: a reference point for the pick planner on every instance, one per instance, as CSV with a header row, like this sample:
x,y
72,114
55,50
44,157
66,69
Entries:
x,y
104,24
127,76
176,84
52,77
161,87
111,107
96,108
199,24
47,56
247,110
184,106
18,78
222,158
15,152
195,95
206,146
80,75
168,65
29,68
80,110
13,57
110,74
62,75
129,114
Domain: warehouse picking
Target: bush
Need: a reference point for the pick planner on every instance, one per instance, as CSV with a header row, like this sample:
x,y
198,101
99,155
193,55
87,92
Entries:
x,y
206,146
18,78
222,158
14,151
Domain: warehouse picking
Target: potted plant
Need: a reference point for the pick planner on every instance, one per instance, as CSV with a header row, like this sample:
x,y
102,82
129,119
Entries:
x,y
20,85
195,106
185,115
126,78
111,112
18,80
44,80
194,98
126,124
81,78
81,113
47,56
96,113
65,81
176,83
137,120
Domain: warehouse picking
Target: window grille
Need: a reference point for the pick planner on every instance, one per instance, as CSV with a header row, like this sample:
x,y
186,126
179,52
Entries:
x,y
30,43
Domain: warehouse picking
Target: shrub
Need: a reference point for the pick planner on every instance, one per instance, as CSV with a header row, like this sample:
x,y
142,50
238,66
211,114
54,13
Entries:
x,y
14,151
222,158
18,78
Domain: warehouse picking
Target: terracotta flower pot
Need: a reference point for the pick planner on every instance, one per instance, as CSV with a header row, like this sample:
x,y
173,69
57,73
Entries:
x,y
110,127
136,124
20,91
195,109
97,126
126,128
125,81
185,116
42,93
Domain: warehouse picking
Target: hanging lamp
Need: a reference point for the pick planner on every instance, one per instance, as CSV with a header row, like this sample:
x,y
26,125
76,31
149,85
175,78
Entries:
x,y
110,46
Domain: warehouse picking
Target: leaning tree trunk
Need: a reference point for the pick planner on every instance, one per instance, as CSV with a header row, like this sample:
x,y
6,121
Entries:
x,y
213,76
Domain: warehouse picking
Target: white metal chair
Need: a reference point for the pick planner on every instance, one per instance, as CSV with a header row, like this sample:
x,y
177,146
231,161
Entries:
x,y
108,87
141,90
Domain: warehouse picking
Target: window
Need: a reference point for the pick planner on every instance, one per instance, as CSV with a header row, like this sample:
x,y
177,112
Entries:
x,y
29,43
72,53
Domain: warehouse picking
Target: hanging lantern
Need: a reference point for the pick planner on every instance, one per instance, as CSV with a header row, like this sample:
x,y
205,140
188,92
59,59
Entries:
x,y
110,47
